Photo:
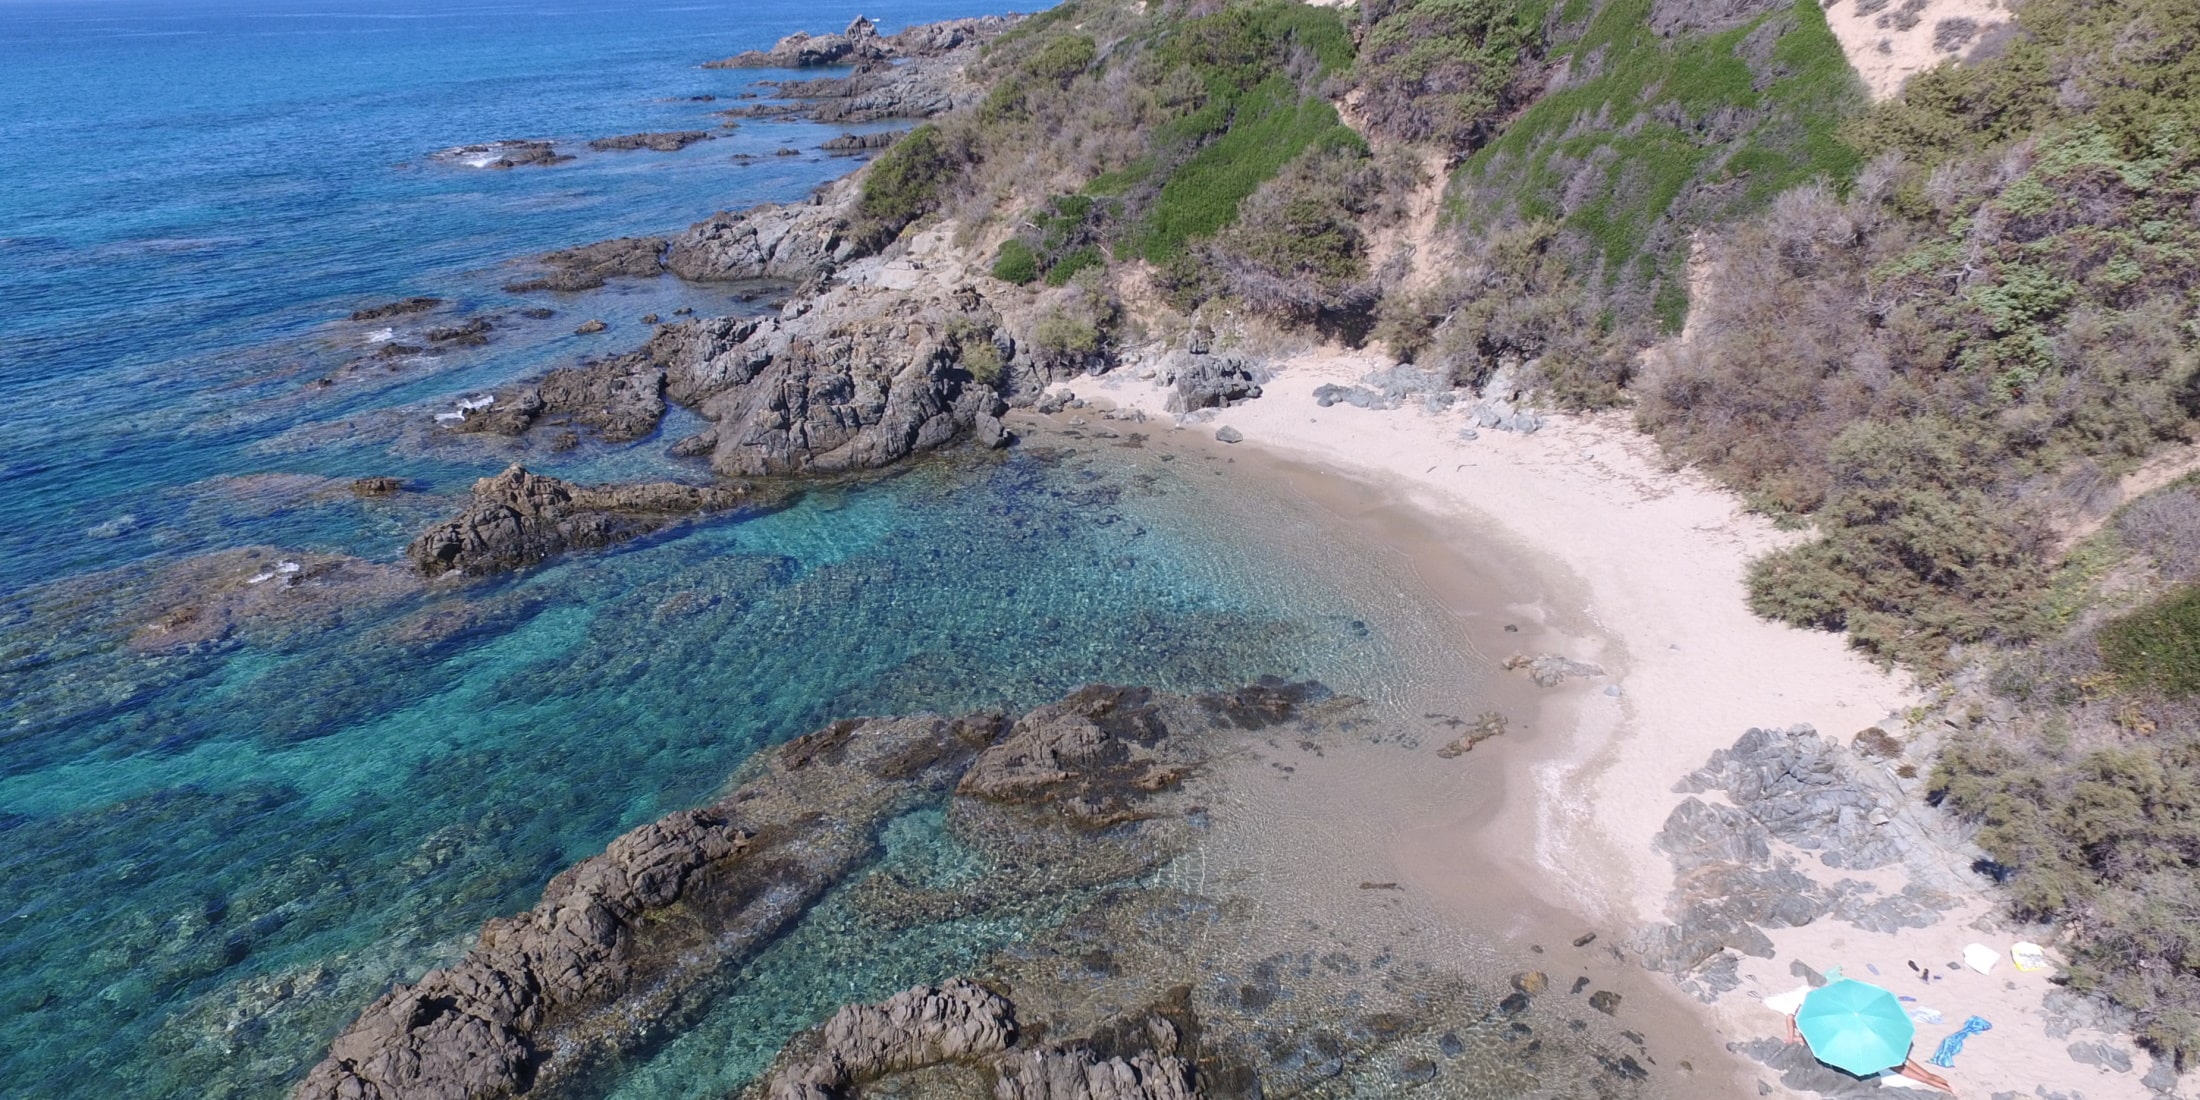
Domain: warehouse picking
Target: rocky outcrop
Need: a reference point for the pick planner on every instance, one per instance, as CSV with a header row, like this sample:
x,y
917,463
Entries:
x,y
1209,382
958,1019
506,154
1093,757
399,308
1550,669
587,267
862,143
861,42
1791,790
790,243
662,141
254,593
1075,1073
620,399
545,994
517,518
857,379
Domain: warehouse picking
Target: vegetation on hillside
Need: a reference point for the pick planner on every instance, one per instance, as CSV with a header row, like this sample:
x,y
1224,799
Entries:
x,y
1936,327
1936,364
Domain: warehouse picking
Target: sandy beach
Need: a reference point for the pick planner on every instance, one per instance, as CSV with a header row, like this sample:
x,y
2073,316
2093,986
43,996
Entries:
x,y
1638,570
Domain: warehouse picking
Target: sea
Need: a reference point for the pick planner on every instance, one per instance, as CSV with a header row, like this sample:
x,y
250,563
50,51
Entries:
x,y
214,854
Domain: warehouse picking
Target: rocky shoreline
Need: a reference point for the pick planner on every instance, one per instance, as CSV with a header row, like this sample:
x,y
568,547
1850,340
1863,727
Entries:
x,y
1127,990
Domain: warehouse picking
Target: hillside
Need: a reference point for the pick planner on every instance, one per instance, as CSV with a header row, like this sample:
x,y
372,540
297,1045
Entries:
x,y
1948,330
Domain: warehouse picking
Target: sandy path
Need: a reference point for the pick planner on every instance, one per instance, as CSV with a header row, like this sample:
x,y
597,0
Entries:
x,y
1889,40
1653,561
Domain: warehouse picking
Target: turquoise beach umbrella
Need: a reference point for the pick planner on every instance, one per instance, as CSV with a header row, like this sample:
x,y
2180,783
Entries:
x,y
1855,1026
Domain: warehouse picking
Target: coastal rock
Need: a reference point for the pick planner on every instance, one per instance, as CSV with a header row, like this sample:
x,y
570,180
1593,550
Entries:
x,y
544,993
376,486
1550,669
1796,784
399,308
587,267
861,42
663,141
590,327
257,593
788,243
517,518
1209,382
506,154
1091,756
862,143
621,399
860,379
472,333
1075,1073
1227,434
958,1019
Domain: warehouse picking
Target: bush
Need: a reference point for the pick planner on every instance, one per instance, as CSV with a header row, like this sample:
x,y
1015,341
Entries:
x,y
1016,263
2157,648
1297,251
1656,136
904,184
1441,72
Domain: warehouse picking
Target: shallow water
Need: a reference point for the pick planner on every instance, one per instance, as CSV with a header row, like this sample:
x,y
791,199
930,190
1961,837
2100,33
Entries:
x,y
216,855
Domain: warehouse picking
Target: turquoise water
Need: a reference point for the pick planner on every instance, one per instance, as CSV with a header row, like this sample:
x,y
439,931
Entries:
x,y
211,859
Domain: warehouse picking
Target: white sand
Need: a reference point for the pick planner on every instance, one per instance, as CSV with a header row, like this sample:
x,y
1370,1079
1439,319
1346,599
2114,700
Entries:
x,y
1885,54
1654,560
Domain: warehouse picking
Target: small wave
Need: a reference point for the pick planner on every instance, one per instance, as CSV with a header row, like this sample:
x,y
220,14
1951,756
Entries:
x,y
382,336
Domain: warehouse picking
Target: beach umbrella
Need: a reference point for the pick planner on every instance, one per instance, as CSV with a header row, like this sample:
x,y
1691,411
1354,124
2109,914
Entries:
x,y
1855,1026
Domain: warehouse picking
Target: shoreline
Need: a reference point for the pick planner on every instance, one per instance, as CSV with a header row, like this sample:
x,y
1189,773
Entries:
x,y
1641,571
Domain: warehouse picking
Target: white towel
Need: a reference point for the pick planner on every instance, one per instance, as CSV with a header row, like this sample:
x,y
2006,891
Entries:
x,y
1787,1003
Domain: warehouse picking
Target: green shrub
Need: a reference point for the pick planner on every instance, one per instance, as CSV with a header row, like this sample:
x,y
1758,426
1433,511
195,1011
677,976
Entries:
x,y
1016,263
1690,130
1442,72
904,184
2157,648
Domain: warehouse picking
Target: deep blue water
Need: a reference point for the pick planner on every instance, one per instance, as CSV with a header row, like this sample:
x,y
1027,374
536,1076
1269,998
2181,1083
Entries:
x,y
212,857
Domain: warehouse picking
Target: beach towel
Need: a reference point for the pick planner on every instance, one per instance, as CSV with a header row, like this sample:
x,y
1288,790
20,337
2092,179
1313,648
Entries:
x,y
1951,1046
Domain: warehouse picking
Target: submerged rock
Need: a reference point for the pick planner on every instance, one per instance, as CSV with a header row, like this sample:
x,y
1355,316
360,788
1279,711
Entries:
x,y
399,308
517,518
958,1019
663,141
588,266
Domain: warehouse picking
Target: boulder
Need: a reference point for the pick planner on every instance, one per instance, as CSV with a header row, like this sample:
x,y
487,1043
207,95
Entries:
x,y
958,1019
517,518
663,141
1209,382
588,266
398,308
790,243
543,994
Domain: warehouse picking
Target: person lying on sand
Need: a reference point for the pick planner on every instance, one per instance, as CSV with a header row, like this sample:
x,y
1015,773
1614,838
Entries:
x,y
1910,1068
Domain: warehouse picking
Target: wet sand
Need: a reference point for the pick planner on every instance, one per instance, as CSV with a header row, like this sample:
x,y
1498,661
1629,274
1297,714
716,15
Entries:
x,y
1381,844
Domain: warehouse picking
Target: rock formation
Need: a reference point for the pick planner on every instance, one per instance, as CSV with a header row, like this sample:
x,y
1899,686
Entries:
x,y
586,267
1792,791
861,42
958,1019
793,243
543,994
663,141
517,518
861,378
398,308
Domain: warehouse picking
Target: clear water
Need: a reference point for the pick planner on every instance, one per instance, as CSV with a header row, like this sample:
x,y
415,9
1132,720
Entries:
x,y
212,859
